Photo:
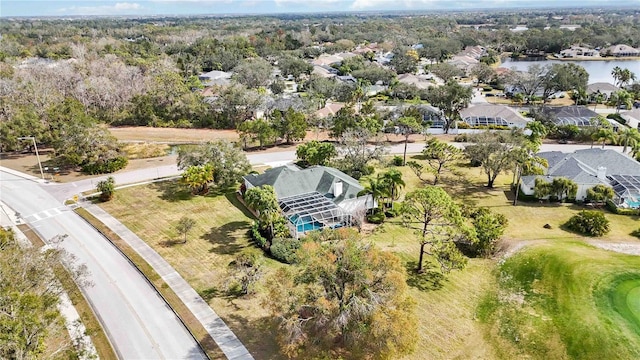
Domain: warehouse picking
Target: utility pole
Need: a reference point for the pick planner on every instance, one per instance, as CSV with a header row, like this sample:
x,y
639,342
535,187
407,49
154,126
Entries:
x,y
32,138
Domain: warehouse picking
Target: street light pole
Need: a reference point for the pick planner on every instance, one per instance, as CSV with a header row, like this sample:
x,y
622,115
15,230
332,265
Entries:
x,y
33,138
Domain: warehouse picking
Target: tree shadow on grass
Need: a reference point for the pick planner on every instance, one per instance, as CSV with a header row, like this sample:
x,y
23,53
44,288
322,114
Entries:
x,y
172,191
258,335
222,239
428,279
171,242
233,199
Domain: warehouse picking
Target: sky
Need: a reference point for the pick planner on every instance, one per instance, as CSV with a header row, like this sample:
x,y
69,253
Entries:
x,y
10,8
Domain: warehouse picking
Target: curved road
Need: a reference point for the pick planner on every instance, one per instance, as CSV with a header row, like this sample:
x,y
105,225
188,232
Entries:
x,y
138,322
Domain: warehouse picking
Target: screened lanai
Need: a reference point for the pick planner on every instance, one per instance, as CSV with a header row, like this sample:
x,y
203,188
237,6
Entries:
x,y
312,211
486,121
627,190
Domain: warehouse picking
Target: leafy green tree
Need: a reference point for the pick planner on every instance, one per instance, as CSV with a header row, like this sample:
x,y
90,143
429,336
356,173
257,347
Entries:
x,y
291,125
184,226
440,48
258,130
236,104
293,66
264,201
589,222
450,98
316,153
403,63
29,299
437,220
483,73
621,98
489,227
346,297
253,73
445,71
494,152
600,193
229,161
416,167
407,126
198,177
440,156
106,188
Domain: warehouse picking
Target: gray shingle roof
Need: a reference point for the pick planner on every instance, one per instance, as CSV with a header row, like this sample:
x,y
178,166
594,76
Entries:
x,y
601,87
582,165
288,181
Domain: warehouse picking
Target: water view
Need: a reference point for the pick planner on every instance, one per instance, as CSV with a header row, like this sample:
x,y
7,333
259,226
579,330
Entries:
x,y
599,71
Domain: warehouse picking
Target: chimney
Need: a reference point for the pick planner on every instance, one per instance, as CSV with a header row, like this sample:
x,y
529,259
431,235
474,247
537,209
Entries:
x,y
337,188
602,173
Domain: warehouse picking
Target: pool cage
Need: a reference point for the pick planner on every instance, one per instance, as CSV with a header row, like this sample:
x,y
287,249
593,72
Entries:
x,y
312,211
486,121
627,190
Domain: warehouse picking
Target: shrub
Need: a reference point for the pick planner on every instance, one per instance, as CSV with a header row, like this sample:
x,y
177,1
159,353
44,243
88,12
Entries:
x,y
589,222
463,125
377,217
105,167
461,138
397,161
106,188
636,233
618,118
256,235
285,249
611,206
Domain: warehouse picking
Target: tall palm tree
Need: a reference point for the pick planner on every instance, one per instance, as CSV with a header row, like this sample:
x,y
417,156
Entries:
x,y
598,98
393,180
635,151
628,138
621,97
616,73
626,76
377,188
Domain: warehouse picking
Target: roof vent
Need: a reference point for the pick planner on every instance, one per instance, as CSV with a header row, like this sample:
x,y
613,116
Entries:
x,y
602,173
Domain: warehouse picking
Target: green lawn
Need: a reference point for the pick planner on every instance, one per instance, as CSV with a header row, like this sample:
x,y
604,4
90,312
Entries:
x,y
565,300
447,308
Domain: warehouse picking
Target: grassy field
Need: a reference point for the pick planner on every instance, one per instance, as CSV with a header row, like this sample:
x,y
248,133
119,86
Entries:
x,y
565,300
449,326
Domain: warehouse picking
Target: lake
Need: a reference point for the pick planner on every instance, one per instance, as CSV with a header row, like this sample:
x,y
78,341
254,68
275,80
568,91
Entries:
x,y
599,71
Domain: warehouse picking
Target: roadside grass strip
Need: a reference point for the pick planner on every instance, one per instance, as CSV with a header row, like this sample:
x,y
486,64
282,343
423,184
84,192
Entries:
x,y
196,329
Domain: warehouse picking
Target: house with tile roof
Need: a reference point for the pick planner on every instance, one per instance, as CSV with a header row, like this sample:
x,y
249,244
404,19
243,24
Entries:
x,y
620,50
314,198
591,167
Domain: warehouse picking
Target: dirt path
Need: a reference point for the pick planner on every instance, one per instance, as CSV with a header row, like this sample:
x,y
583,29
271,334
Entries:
x,y
624,248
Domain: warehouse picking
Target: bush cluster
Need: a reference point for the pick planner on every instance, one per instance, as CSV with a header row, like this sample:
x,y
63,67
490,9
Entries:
x,y
285,249
589,222
105,167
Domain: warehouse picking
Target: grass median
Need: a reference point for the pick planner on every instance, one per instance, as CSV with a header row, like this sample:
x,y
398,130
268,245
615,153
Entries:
x,y
186,316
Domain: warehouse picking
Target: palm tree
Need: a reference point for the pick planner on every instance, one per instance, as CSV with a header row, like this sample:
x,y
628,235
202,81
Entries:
x,y
579,96
626,76
605,134
377,188
617,74
598,98
628,137
621,97
635,151
393,181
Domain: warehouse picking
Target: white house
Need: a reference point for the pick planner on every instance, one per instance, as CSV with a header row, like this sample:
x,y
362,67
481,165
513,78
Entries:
x,y
591,167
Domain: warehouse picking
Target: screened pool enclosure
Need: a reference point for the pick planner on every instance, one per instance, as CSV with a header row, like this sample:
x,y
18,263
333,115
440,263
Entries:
x,y
627,190
312,211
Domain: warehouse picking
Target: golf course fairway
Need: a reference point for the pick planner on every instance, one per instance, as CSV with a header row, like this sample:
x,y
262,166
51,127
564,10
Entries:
x,y
565,300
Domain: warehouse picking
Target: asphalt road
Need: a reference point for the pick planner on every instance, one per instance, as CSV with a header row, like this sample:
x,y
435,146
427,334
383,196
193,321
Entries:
x,y
138,322
68,190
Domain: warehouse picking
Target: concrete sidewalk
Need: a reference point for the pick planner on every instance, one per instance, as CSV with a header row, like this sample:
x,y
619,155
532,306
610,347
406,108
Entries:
x,y
219,331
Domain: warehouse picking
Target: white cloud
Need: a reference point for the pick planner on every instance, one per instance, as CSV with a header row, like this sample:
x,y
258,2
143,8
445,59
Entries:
x,y
117,8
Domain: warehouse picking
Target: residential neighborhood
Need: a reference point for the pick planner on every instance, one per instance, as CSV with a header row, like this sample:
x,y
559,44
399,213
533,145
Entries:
x,y
332,180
